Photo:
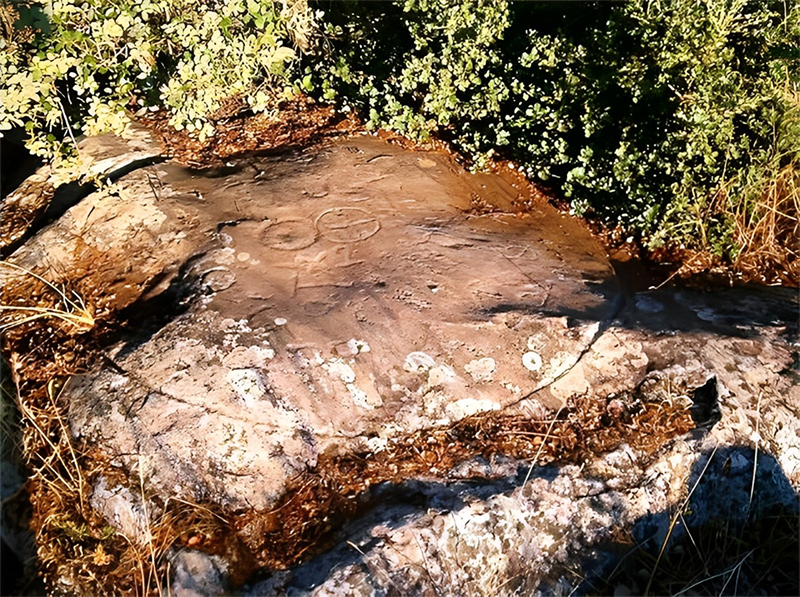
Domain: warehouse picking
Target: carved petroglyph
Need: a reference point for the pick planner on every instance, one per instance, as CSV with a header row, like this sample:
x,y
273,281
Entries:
x,y
346,224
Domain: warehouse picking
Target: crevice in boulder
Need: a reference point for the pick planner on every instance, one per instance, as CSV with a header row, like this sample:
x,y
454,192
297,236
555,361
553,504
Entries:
x,y
344,487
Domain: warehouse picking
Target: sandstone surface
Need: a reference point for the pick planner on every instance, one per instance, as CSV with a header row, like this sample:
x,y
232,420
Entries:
x,y
340,297
334,302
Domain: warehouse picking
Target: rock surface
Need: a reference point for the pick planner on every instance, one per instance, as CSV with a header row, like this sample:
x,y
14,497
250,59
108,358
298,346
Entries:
x,y
105,157
562,530
336,300
341,301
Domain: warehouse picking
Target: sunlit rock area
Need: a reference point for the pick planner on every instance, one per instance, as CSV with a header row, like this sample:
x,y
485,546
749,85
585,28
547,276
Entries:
x,y
384,375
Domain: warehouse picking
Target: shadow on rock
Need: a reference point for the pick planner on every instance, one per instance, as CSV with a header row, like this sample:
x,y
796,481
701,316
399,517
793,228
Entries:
x,y
736,533
740,312
393,508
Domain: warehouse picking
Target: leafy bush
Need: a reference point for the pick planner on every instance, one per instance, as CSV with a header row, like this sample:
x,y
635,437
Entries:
x,y
664,116
678,119
84,65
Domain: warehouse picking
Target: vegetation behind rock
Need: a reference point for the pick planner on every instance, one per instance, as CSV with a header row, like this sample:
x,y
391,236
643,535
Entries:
x,y
678,120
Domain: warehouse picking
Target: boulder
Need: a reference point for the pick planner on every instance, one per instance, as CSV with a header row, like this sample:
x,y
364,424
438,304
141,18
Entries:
x,y
449,366
339,298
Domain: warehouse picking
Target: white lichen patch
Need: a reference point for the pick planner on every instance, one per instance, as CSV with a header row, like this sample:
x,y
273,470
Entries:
x,y
248,385
418,362
243,357
377,444
339,369
123,510
359,345
560,363
359,396
432,402
535,344
352,348
532,361
440,375
233,331
232,453
468,407
224,256
786,441
481,369
241,326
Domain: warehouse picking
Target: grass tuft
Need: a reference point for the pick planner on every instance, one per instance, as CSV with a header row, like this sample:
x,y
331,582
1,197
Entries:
x,y
768,233
68,306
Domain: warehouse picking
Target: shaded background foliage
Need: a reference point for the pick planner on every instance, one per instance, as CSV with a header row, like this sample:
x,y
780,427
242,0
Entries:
x,y
663,116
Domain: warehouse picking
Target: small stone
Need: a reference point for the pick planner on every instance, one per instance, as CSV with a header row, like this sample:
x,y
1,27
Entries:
x,y
197,574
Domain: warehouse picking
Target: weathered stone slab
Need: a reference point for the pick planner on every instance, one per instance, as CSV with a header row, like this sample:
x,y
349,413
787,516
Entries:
x,y
347,295
282,310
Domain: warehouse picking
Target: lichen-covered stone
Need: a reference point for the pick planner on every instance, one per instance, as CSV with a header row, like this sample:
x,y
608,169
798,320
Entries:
x,y
345,299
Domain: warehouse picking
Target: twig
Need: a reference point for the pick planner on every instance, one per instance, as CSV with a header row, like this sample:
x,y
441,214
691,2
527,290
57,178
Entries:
x,y
425,563
541,446
723,573
51,394
755,454
149,536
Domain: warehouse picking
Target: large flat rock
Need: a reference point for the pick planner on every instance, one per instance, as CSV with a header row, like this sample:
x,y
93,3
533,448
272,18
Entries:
x,y
286,322
342,296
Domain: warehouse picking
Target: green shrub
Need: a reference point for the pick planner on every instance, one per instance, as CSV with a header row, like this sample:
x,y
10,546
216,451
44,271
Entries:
x,y
85,65
674,118
652,114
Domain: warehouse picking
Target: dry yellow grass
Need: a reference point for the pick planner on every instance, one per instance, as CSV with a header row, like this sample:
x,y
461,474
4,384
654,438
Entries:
x,y
69,307
768,234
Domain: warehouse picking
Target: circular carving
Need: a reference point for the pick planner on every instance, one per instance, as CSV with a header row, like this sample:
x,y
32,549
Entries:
x,y
347,224
219,279
289,235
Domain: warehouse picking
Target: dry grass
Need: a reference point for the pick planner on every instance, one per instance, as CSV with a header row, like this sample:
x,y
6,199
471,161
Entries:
x,y
768,233
720,557
79,552
678,513
59,487
46,302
